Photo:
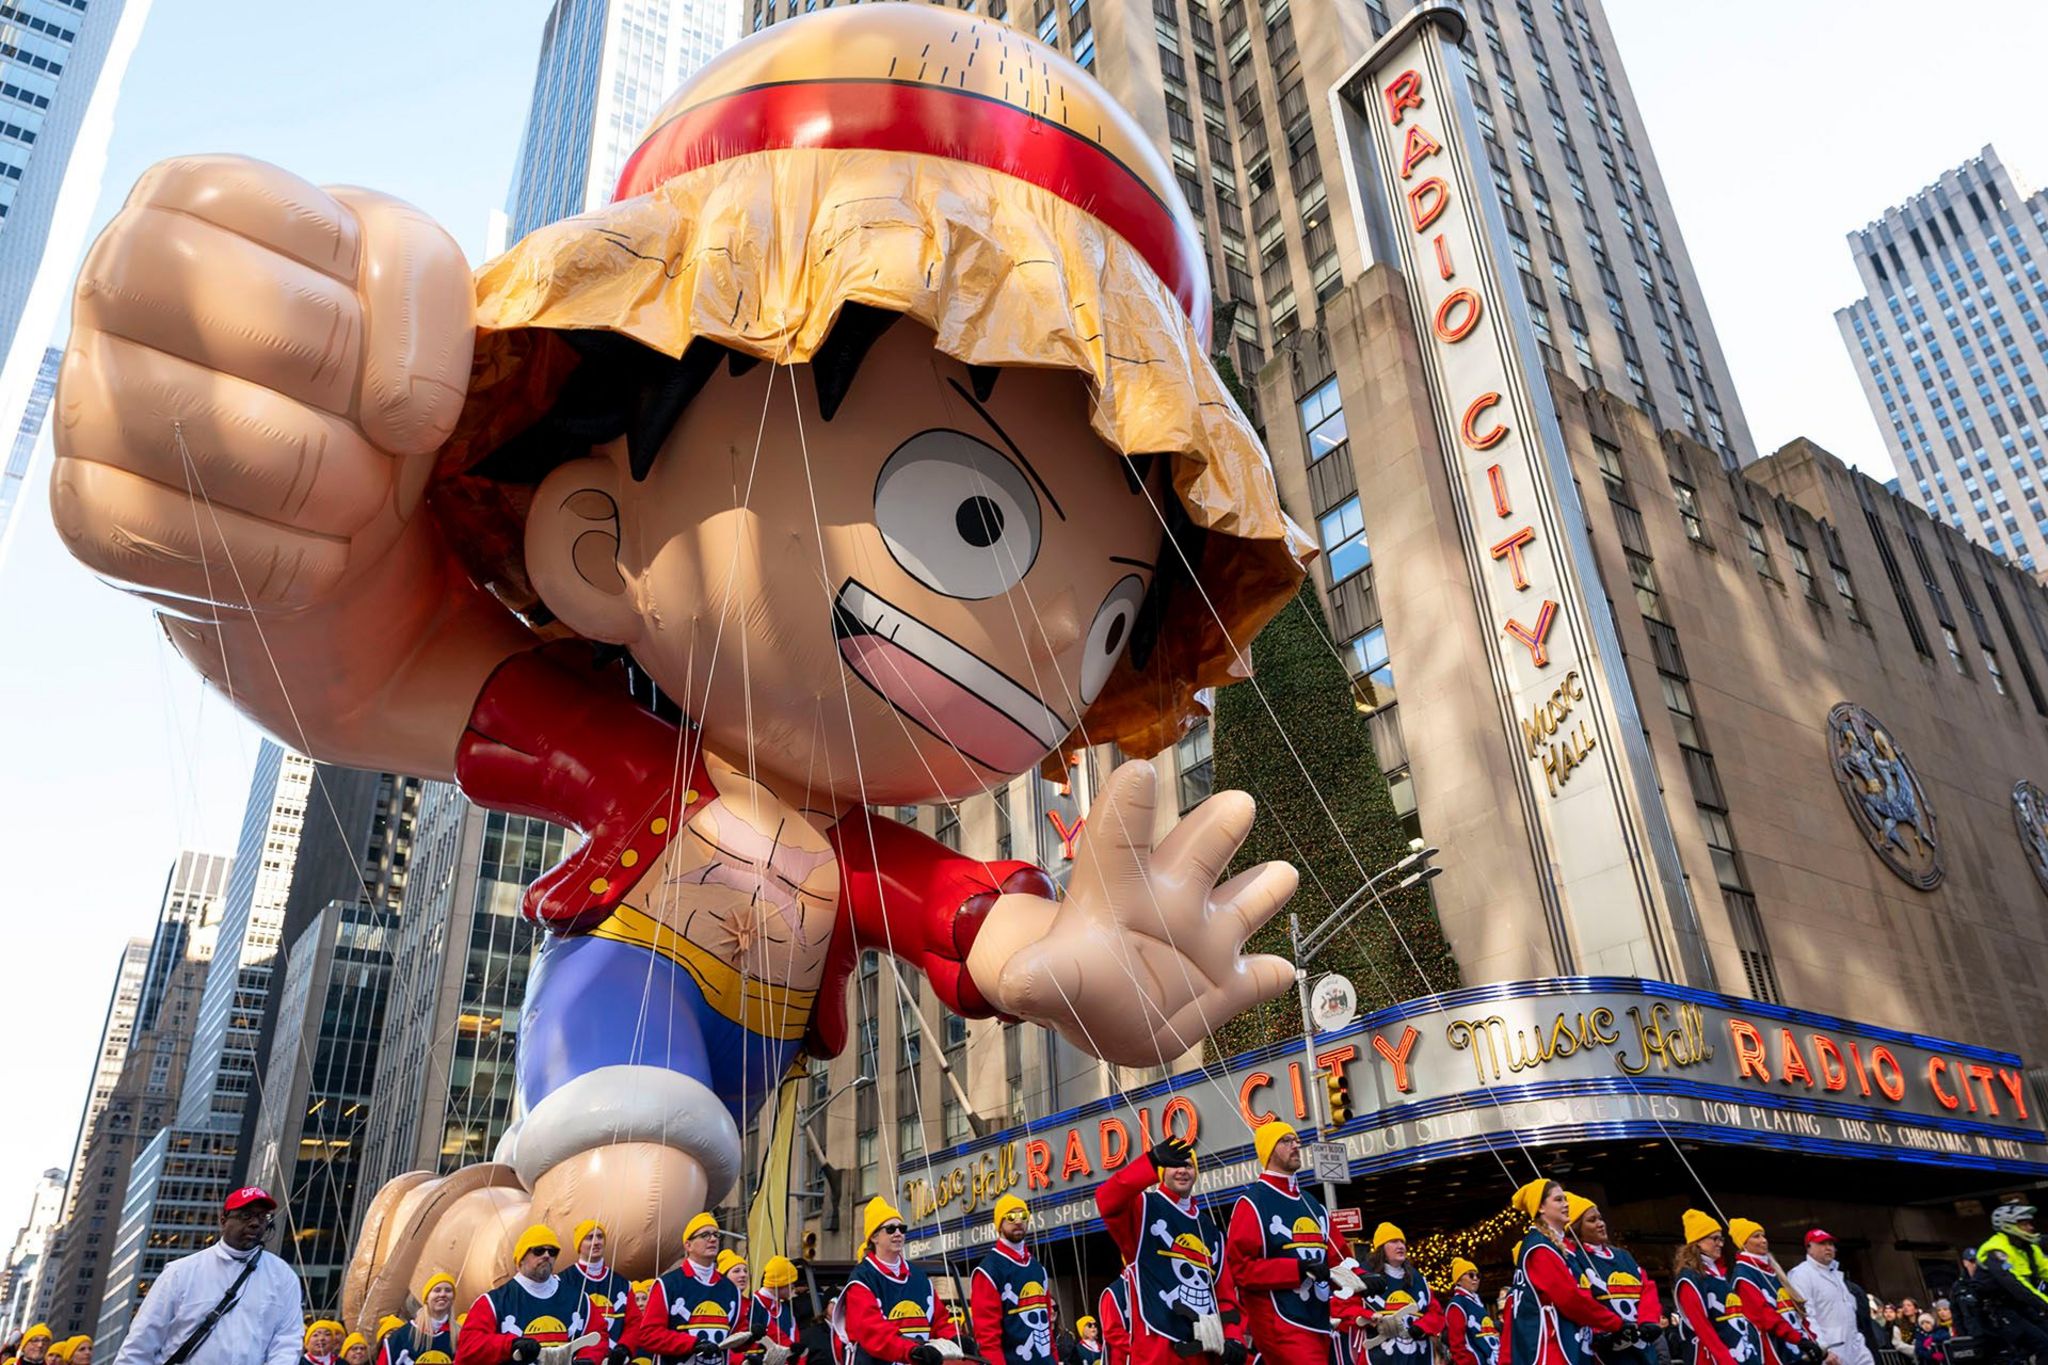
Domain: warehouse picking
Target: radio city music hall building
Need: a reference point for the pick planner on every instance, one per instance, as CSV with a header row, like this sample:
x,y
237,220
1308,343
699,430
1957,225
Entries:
x,y
1740,778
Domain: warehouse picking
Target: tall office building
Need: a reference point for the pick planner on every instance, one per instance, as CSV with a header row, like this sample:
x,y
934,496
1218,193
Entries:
x,y
220,1082
324,1019
117,1032
143,1092
1949,341
61,66
27,1260
443,1089
1234,94
182,1172
605,67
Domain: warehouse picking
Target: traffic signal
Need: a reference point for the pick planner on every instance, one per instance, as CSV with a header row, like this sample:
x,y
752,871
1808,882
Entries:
x,y
1339,1091
810,1246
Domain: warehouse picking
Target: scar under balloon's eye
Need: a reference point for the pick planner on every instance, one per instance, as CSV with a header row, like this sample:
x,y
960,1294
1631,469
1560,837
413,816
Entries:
x,y
957,515
1109,634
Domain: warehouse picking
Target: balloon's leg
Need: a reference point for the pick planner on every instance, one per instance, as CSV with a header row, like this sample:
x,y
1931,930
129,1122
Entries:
x,y
643,1192
422,1224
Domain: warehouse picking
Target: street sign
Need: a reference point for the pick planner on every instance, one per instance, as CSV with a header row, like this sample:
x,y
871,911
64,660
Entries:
x,y
1333,1003
1347,1221
1333,1166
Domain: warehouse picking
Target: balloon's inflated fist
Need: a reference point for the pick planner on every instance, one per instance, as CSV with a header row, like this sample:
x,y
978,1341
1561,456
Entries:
x,y
286,357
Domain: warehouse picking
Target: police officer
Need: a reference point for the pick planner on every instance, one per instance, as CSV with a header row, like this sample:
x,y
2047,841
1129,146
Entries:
x,y
2015,1310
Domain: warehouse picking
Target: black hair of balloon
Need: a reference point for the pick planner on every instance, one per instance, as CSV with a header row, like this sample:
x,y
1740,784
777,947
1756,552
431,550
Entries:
x,y
623,388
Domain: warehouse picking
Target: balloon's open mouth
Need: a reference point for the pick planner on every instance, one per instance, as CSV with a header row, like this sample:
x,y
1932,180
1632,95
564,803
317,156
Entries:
x,y
941,687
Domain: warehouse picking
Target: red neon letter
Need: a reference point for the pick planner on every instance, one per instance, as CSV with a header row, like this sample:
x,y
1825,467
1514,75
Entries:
x,y
1443,258
1426,201
1834,1075
1076,1159
2012,1081
1499,484
1792,1066
1935,1066
1037,1165
1980,1073
1453,332
1749,1051
1418,146
1300,1099
1113,1158
1512,549
1468,430
1403,92
1258,1080
1397,1056
1533,636
1856,1060
1180,1104
1067,836
1893,1084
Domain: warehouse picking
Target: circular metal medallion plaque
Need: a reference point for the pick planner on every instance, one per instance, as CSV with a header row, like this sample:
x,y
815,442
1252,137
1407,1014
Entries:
x,y
1884,795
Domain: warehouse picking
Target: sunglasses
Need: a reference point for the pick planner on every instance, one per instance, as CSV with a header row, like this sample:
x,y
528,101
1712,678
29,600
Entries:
x,y
893,1229
543,1251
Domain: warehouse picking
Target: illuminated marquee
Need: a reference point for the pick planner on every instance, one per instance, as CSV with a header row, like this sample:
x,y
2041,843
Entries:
x,y
1555,1061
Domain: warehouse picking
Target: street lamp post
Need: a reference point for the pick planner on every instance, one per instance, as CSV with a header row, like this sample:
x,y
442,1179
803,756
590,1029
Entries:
x,y
1414,870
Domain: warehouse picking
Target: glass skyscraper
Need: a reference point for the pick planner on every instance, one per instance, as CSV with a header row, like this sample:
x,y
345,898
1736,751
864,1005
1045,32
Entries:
x,y
61,64
605,68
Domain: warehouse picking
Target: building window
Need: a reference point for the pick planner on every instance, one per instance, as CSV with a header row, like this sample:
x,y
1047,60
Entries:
x,y
1689,510
947,831
1006,832
1194,761
1955,650
1642,574
1992,670
1343,532
1322,418
1802,565
868,1156
1372,671
1759,549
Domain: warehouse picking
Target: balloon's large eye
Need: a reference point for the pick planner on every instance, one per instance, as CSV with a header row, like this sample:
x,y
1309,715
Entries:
x,y
957,515
1109,634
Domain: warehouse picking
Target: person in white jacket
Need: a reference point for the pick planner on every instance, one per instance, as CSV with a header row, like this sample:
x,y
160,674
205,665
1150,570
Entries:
x,y
1830,1307
258,1324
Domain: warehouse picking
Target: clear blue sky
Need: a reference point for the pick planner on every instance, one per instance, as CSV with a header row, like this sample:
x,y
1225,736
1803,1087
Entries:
x,y
1779,127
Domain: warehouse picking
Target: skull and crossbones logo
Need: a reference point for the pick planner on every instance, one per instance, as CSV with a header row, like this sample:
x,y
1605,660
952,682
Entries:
x,y
1194,1290
1034,1310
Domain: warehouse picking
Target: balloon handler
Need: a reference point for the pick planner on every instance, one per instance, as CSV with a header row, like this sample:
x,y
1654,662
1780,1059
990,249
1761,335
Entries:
x,y
864,451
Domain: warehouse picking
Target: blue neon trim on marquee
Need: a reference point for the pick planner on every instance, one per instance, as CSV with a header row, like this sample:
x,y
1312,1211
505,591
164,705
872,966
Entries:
x,y
1500,1093
1511,990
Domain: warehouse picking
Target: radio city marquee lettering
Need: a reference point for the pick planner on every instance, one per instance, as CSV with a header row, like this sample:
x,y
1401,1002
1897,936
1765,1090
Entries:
x,y
1595,1051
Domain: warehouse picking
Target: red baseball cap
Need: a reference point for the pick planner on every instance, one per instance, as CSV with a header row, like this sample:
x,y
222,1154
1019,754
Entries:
x,y
247,1195
1819,1235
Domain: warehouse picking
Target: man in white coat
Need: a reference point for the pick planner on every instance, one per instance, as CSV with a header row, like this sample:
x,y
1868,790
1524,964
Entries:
x,y
231,1304
1830,1306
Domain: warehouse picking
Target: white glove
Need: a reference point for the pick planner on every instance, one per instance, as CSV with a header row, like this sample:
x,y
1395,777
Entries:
x,y
565,1352
1347,1279
1389,1326
1209,1333
775,1353
736,1341
945,1348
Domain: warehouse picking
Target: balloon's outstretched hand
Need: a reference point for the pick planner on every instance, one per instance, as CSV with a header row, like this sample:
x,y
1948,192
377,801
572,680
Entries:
x,y
1144,957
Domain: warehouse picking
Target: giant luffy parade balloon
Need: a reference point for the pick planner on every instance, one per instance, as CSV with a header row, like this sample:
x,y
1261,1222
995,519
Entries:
x,y
865,450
